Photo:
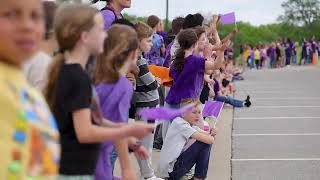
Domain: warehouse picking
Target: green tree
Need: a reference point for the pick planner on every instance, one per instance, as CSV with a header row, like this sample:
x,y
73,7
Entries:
x,y
300,12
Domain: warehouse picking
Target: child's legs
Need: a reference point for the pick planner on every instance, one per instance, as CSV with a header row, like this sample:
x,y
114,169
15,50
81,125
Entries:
x,y
199,154
251,63
146,169
288,58
229,100
202,162
257,63
294,59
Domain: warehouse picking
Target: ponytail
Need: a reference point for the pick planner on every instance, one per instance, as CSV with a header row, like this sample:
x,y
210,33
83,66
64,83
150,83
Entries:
x,y
51,85
178,61
186,39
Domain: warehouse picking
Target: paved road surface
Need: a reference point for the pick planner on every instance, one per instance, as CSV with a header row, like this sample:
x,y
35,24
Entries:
x,y
278,138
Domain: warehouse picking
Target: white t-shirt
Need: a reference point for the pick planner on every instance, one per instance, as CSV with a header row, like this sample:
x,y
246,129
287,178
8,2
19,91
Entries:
x,y
179,132
36,69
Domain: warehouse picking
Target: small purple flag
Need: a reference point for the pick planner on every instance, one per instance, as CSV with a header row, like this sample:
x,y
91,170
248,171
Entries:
x,y
212,108
228,18
163,113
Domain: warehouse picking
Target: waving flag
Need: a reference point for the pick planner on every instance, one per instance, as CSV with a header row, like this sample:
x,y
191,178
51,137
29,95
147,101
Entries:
x,y
163,113
212,108
228,18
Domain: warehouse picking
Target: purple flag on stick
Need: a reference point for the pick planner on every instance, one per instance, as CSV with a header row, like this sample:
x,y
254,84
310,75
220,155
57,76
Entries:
x,y
162,113
212,108
228,18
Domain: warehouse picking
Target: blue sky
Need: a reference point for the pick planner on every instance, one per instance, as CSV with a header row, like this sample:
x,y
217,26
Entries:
x,y
256,12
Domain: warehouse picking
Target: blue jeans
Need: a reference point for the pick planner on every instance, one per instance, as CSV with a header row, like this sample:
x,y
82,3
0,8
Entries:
x,y
294,59
113,157
197,154
229,100
273,62
251,63
288,59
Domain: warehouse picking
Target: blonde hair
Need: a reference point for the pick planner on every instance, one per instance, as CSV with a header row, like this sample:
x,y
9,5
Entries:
x,y
143,30
121,40
70,21
188,101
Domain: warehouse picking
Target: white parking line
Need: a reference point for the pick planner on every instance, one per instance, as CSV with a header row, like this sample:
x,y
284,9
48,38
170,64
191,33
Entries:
x,y
270,91
293,159
238,118
287,98
296,134
285,106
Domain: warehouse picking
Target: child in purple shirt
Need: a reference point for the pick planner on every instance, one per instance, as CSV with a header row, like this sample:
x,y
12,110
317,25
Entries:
x,y
112,11
115,93
187,70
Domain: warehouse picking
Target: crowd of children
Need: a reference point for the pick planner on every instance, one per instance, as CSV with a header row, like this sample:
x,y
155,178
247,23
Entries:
x,y
279,54
93,69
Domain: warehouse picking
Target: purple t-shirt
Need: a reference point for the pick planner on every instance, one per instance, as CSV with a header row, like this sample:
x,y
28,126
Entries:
x,y
115,103
187,83
163,34
115,100
109,17
272,53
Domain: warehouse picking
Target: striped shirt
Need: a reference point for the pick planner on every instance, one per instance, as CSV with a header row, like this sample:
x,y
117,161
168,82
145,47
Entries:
x,y
146,93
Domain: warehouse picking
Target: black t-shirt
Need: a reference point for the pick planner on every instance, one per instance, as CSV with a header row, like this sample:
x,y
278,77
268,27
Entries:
x,y
74,92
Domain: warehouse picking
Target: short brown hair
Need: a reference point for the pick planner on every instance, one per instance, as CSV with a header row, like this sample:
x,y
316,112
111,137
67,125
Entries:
x,y
143,30
153,21
177,25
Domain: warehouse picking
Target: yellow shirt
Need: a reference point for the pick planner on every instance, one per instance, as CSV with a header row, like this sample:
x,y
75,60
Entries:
x,y
257,55
29,147
246,54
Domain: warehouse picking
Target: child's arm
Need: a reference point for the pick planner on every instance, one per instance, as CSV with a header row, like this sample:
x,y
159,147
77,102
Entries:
x,y
127,170
203,137
218,63
214,31
89,133
108,123
230,35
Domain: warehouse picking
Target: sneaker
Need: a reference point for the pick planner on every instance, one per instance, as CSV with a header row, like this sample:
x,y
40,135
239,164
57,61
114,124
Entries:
x,y
247,103
154,178
247,99
157,146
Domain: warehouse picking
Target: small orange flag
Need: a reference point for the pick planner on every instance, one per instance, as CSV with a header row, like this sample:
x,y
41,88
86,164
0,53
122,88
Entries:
x,y
162,73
